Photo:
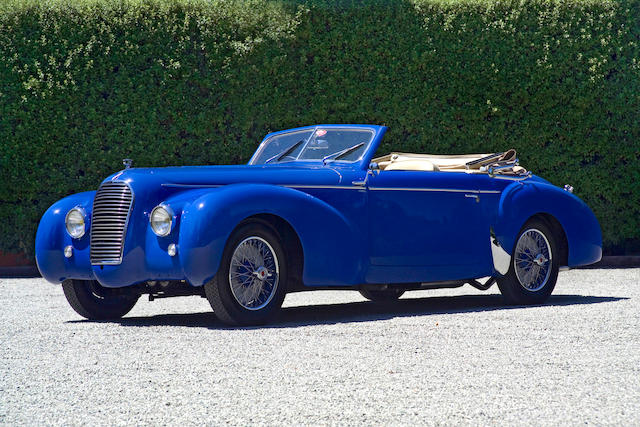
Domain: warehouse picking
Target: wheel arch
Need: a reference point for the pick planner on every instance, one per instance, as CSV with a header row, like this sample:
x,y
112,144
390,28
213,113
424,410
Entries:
x,y
558,233
568,217
290,242
311,227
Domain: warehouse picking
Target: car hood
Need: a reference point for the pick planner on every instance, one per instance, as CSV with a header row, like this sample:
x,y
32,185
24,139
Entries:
x,y
203,176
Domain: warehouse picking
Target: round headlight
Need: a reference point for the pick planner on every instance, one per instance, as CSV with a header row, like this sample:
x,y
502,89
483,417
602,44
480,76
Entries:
x,y
74,221
161,220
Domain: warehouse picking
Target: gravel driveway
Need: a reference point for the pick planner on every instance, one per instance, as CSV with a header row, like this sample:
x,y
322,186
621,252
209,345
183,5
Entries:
x,y
452,356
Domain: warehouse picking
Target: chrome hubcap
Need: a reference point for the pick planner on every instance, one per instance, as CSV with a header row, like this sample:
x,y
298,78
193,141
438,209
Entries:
x,y
532,260
253,273
262,273
540,260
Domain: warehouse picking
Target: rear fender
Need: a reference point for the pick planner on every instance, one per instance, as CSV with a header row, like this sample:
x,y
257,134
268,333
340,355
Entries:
x,y
521,201
332,251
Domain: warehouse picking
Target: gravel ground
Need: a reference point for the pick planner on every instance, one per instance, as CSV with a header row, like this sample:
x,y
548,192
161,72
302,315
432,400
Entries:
x,y
453,356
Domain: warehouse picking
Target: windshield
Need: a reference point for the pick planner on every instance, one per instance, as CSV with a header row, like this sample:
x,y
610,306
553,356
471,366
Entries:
x,y
325,144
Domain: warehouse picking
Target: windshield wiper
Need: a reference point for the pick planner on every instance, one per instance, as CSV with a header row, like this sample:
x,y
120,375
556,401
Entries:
x,y
339,154
285,153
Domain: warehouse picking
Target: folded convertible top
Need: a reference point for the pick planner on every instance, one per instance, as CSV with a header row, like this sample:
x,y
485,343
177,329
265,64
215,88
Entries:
x,y
502,163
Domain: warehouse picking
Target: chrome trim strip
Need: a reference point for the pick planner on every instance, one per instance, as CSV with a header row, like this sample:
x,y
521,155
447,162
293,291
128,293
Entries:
x,y
113,262
337,187
345,187
512,178
126,224
193,185
447,190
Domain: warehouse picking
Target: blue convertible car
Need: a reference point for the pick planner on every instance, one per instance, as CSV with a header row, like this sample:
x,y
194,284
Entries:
x,y
314,210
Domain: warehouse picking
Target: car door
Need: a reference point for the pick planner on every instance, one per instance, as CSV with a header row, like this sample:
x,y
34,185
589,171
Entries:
x,y
428,219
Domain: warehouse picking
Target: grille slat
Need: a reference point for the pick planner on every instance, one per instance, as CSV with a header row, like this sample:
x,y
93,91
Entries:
x,y
113,197
111,191
113,203
108,210
111,208
108,203
114,194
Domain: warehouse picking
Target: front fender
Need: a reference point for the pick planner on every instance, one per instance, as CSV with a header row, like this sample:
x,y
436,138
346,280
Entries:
x,y
52,238
520,201
332,250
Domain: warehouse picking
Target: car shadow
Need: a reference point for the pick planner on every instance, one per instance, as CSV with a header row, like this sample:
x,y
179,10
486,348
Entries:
x,y
364,311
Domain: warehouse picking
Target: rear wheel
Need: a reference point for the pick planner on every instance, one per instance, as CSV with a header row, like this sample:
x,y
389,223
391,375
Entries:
x,y
380,295
91,300
534,266
250,285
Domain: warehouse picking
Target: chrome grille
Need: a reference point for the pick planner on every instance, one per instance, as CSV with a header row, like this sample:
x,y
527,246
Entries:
x,y
111,208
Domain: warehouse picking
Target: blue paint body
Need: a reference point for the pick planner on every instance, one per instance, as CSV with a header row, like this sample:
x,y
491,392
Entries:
x,y
388,231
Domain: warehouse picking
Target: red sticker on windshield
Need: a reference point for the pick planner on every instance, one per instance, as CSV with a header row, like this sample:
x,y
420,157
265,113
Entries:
x,y
321,132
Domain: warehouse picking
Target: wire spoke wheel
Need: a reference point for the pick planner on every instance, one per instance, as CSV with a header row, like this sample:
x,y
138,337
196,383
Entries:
x,y
254,273
252,280
532,260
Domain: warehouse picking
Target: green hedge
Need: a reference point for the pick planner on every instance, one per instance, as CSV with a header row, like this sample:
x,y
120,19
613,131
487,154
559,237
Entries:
x,y
84,84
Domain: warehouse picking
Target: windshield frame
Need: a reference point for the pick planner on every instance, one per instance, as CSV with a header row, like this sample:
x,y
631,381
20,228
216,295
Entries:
x,y
372,140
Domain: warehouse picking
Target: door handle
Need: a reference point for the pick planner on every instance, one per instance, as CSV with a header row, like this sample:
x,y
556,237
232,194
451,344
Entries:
x,y
359,183
473,196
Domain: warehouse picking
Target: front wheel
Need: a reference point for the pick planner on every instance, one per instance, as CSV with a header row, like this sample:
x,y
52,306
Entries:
x,y
250,285
534,266
92,301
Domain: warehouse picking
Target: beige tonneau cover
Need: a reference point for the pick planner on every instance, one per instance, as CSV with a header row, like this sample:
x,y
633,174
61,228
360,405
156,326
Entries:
x,y
505,163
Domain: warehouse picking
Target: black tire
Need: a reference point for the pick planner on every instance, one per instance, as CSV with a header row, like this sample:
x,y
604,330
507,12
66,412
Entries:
x,y
92,301
219,291
381,295
511,286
